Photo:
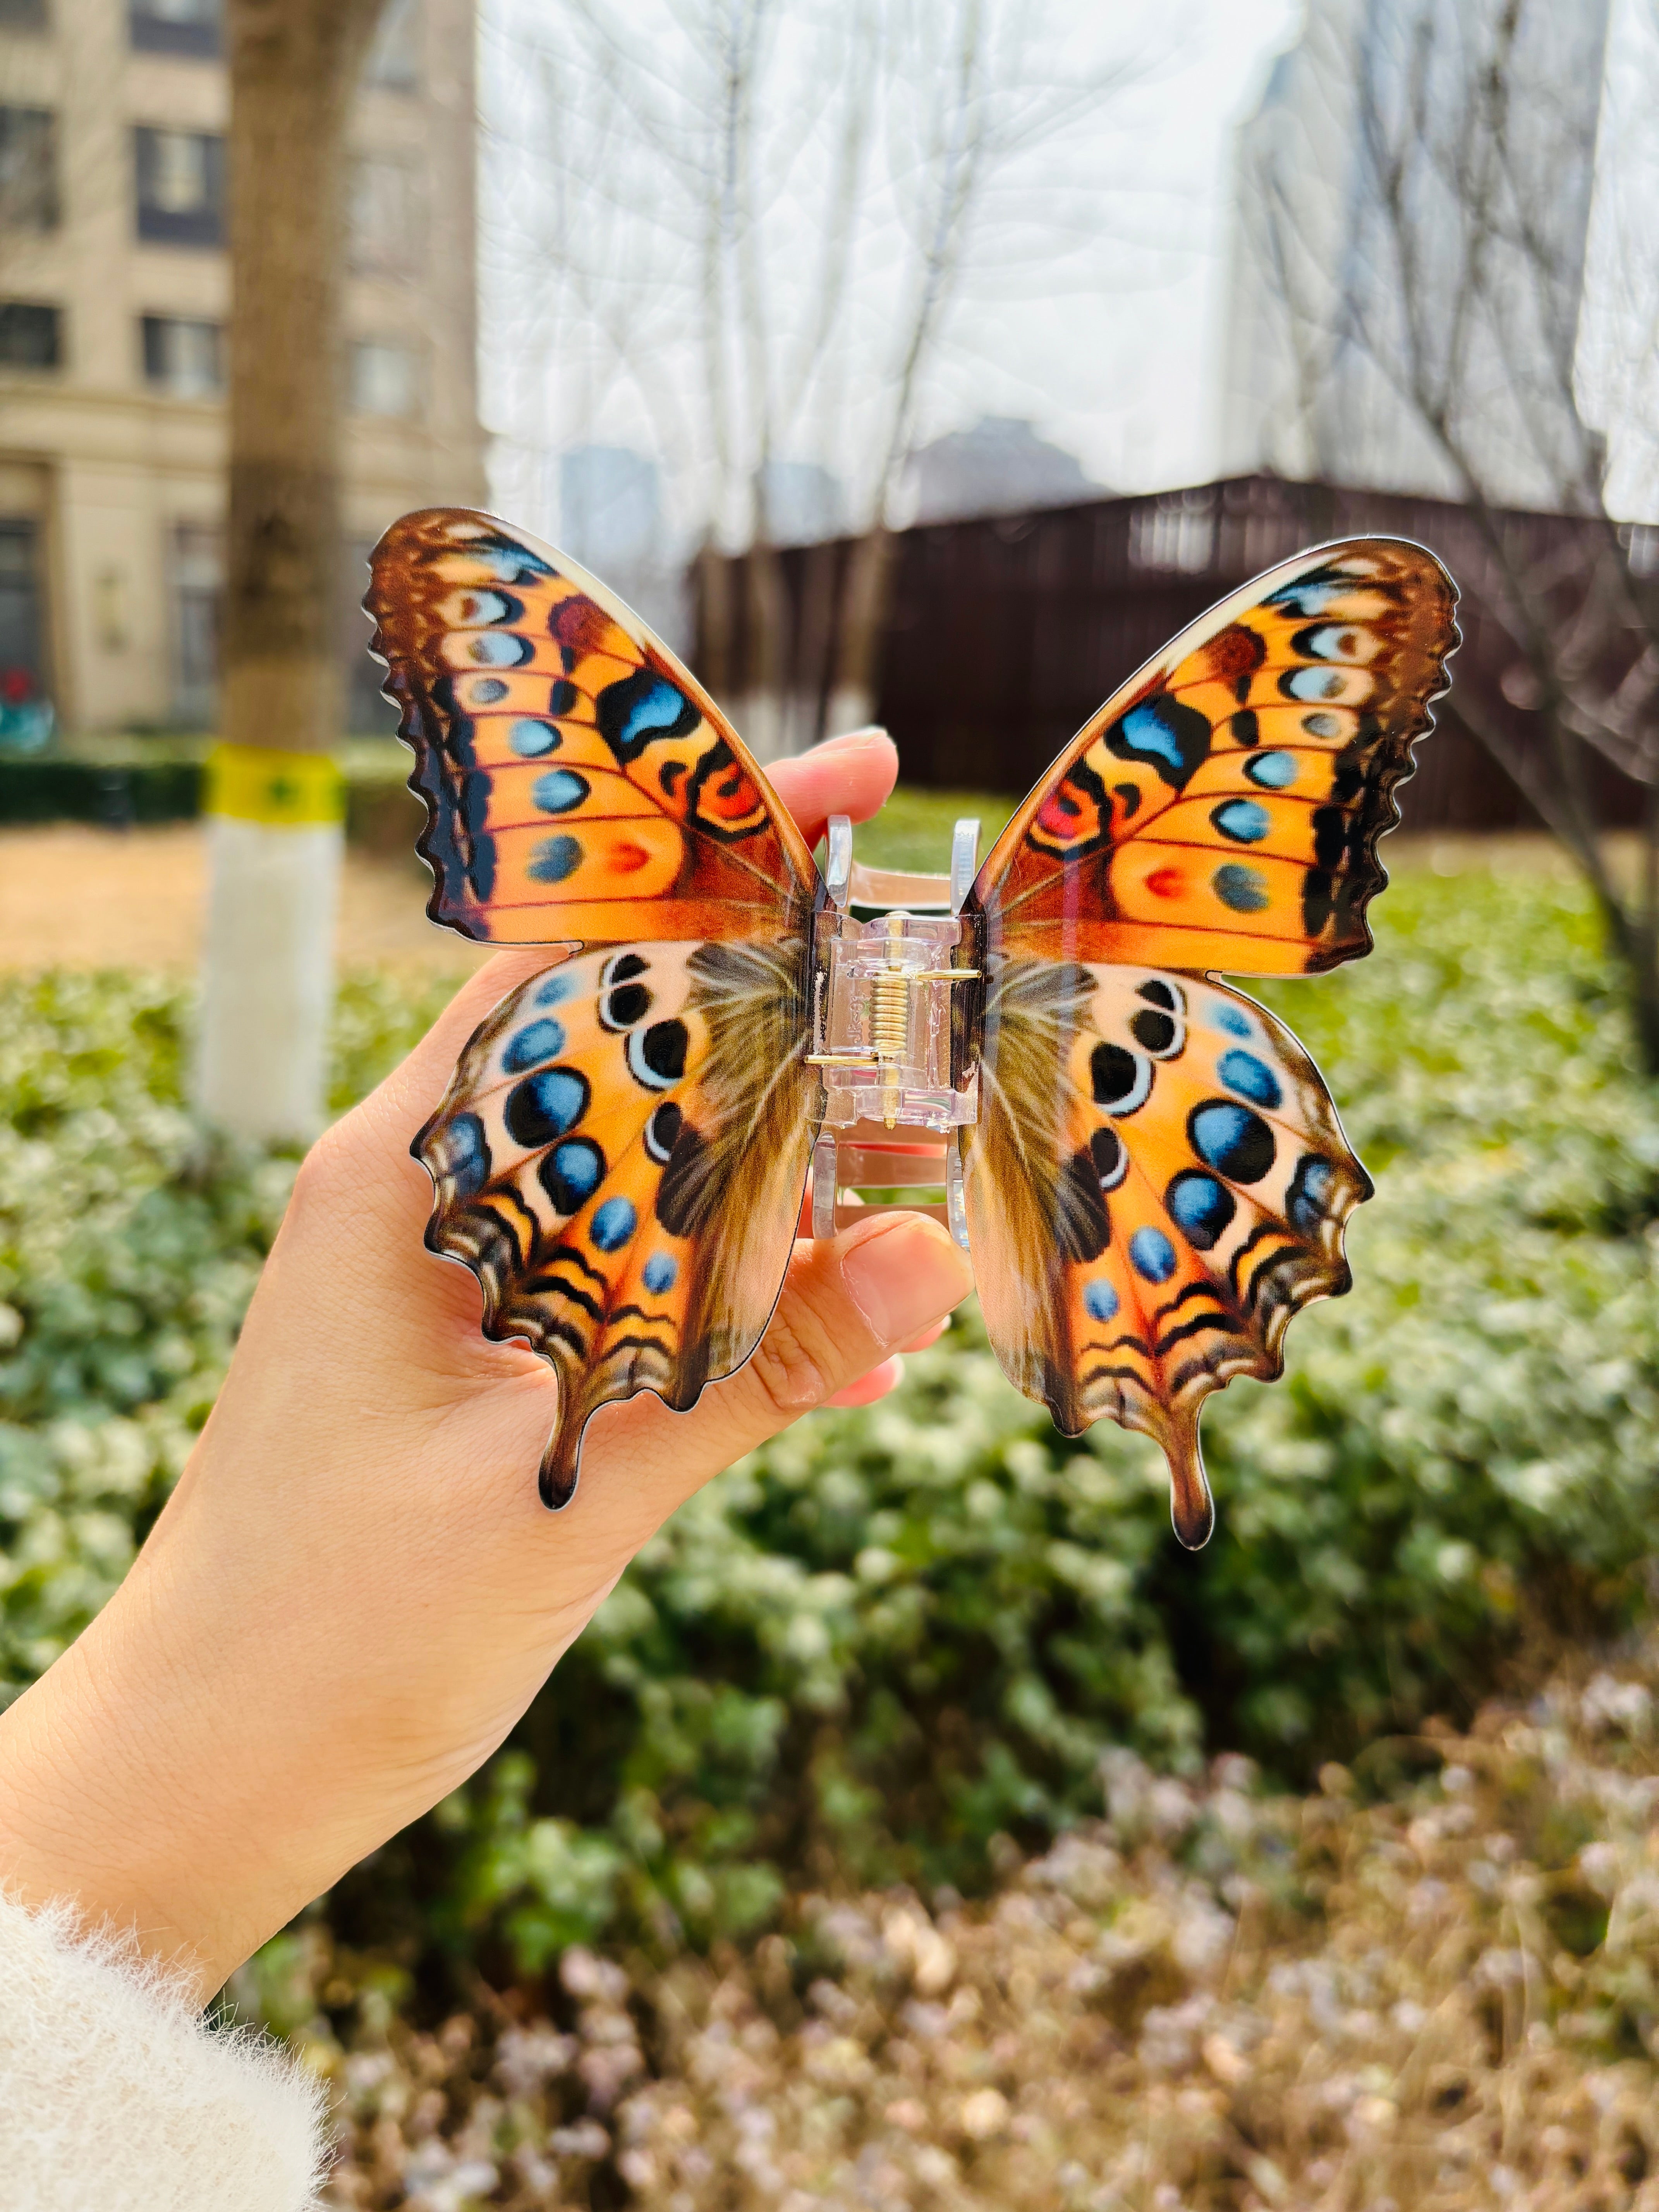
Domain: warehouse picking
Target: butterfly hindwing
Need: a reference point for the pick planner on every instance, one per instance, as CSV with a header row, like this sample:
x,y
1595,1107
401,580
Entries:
x,y
620,1159
1161,1177
1221,810
579,783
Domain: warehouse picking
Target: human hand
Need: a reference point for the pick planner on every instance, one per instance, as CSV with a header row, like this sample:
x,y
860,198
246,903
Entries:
x,y
354,1591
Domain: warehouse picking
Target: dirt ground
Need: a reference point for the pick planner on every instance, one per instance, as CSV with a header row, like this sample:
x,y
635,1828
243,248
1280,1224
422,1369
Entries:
x,y
95,898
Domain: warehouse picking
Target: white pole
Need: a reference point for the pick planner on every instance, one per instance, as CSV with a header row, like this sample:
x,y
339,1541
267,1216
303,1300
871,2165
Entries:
x,y
275,827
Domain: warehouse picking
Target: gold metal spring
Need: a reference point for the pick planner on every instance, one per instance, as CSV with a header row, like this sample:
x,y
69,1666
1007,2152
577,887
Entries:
x,y
890,1022
890,1013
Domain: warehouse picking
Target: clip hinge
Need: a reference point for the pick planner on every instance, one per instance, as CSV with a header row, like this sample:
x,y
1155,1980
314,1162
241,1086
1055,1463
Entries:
x,y
882,1026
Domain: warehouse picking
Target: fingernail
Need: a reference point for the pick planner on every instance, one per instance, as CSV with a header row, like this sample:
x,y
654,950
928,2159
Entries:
x,y
901,1278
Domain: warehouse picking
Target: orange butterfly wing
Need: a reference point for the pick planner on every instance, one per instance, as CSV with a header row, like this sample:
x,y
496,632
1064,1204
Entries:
x,y
579,783
1221,810
1156,1183
619,1159
621,1153
1157,1179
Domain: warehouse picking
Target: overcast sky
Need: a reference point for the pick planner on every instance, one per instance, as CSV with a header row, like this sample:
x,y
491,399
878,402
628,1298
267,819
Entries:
x,y
1126,373
1114,353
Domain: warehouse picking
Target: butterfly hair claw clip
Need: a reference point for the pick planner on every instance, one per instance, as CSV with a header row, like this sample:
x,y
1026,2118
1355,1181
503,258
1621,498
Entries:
x,y
1144,1163
888,1038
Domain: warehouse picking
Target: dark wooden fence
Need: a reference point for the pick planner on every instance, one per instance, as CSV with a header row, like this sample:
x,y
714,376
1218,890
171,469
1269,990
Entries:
x,y
1003,636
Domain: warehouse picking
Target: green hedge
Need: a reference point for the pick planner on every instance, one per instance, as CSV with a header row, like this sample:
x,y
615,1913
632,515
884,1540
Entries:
x,y
116,795
892,1634
125,783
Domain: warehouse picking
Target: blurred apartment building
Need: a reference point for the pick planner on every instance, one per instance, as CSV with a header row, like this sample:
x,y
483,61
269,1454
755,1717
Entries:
x,y
114,291
1381,97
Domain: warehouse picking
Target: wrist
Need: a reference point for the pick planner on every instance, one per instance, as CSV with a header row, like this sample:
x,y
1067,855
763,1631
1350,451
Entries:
x,y
78,1819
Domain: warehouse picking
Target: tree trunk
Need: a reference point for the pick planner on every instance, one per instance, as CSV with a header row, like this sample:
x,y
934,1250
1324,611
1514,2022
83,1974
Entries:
x,y
761,711
714,640
275,806
863,618
815,641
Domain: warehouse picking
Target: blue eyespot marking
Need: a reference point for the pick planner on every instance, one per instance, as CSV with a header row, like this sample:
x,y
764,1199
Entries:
x,y
1313,684
571,1173
1241,820
529,739
484,606
1100,1300
1199,1208
556,858
511,563
1148,732
637,709
659,1273
465,1157
1153,1256
529,1046
545,1106
613,1225
1243,890
495,649
1310,1188
1273,771
485,691
661,706
558,791
1323,726
1251,1078
1310,599
555,991
1336,641
1226,1016
1232,1140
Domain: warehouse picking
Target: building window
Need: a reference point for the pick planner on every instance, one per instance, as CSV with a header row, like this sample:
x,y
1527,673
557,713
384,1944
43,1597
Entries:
x,y
175,26
183,357
28,168
199,576
30,336
384,379
25,718
384,216
394,59
181,187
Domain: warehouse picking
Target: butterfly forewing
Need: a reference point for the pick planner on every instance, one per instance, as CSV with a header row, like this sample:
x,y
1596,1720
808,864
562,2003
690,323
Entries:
x,y
1159,1179
621,1153
579,783
1221,810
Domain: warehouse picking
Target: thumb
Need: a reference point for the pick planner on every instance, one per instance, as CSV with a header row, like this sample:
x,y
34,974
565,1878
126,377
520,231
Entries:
x,y
845,1306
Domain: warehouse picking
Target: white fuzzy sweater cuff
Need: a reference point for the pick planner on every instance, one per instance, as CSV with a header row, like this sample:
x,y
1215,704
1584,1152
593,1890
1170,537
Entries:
x,y
114,2097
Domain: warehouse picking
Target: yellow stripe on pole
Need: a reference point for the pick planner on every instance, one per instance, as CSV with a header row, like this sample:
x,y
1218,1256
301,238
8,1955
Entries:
x,y
288,790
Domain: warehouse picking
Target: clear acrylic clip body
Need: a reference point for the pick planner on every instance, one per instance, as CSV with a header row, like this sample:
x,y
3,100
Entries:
x,y
882,1030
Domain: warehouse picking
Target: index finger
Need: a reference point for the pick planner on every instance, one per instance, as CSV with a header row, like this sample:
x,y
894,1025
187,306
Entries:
x,y
852,775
